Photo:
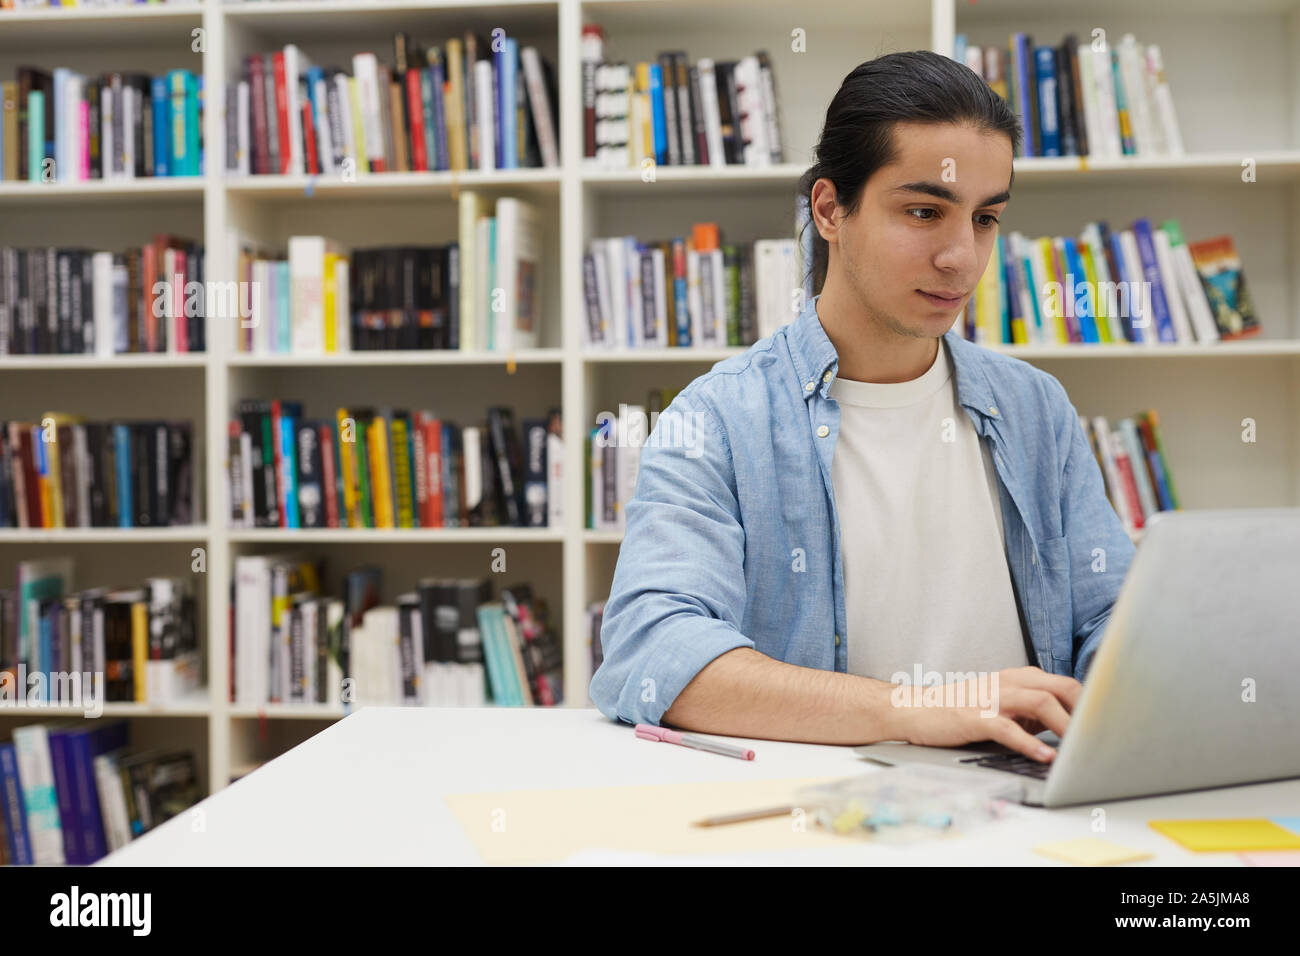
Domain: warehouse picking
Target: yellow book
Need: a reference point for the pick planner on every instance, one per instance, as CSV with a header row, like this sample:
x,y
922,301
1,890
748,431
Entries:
x,y
988,301
140,649
454,108
52,478
473,207
1054,317
358,127
330,309
381,483
347,449
402,474
1098,301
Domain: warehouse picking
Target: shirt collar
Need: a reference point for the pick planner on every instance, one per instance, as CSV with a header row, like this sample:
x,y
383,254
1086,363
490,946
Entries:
x,y
816,362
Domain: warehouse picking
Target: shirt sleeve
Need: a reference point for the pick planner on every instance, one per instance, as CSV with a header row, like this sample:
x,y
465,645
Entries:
x,y
678,594
1100,549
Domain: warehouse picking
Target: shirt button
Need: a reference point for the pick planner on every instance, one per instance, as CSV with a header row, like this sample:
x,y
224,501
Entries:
x,y
822,431
993,409
809,387
837,640
827,378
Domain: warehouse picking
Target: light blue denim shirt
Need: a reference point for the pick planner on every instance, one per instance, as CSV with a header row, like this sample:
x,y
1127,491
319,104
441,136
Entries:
x,y
736,475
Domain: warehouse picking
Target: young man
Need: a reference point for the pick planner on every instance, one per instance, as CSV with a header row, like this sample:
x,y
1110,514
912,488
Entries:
x,y
865,496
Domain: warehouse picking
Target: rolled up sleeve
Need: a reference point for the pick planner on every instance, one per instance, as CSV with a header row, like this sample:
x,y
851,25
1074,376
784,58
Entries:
x,y
1100,549
678,594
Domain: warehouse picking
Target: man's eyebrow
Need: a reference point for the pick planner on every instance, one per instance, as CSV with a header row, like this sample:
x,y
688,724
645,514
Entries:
x,y
940,191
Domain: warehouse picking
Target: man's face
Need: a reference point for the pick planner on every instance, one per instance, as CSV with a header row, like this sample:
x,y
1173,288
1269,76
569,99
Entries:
x,y
927,223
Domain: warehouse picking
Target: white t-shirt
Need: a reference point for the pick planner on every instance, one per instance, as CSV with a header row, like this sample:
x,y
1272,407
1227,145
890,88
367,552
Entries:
x,y
925,569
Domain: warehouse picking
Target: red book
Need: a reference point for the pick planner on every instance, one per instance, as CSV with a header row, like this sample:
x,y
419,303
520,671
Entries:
x,y
309,139
150,266
415,108
282,113
433,472
181,327
327,475
1125,469
280,483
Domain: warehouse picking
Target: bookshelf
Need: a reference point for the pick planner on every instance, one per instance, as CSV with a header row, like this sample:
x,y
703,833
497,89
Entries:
x,y
1242,106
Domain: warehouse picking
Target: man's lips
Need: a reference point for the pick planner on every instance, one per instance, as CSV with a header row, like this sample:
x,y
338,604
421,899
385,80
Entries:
x,y
941,299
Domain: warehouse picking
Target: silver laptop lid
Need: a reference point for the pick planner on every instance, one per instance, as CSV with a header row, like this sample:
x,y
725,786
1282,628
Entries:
x,y
1197,680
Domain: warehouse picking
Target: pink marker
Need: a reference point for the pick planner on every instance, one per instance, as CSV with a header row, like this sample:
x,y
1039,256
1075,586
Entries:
x,y
664,735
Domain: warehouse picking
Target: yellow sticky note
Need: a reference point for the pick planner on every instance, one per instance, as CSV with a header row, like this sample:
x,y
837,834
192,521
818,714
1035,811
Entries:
x,y
1090,851
1228,836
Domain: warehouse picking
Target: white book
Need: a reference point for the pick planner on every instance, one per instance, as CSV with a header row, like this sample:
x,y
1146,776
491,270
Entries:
x,y
616,257
1143,321
1107,108
345,120
1169,279
365,67
1164,102
473,461
1091,118
307,293
1105,445
81,458
554,480
709,107
472,693
112,803
637,118
484,114
694,303
130,109
252,628
106,144
262,309
519,268
660,339
540,105
635,304
1193,293
101,272
36,777
472,208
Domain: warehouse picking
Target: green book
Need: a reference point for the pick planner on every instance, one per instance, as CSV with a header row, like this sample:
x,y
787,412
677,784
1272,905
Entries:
x,y
35,135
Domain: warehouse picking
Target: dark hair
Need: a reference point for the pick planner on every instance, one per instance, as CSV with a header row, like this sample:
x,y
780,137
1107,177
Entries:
x,y
857,137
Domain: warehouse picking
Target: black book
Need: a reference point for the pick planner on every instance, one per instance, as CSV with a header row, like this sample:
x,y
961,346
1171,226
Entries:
x,y
311,488
451,294
180,464
266,509
410,647
505,451
161,476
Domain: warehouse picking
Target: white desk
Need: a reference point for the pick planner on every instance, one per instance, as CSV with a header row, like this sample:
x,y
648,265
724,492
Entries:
x,y
367,791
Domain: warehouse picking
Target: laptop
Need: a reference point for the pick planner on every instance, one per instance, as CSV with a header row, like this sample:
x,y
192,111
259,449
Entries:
x,y
1196,683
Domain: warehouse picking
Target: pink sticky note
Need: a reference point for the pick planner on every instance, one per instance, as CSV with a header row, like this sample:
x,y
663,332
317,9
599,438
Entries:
x,y
1271,858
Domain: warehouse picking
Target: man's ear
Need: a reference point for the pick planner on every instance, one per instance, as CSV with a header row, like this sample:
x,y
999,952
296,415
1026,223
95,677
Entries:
x,y
826,214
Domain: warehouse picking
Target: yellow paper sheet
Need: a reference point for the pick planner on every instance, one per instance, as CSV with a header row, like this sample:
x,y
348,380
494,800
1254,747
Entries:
x,y
546,826
1091,851
1228,836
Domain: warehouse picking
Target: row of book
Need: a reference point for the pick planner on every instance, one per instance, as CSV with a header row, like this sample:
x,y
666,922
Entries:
x,y
462,105
66,472
481,292
63,126
675,113
1145,285
1132,459
83,4
57,643
613,451
73,794
687,292
391,468
149,298
447,643
1082,99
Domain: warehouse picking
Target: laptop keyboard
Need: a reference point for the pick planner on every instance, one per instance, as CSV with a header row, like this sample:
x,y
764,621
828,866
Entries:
x,y
1011,763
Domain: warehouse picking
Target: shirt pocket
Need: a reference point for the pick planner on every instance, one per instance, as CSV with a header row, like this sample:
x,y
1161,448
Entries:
x,y
1054,569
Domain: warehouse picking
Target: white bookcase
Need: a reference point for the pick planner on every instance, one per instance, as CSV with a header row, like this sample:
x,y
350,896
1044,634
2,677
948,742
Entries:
x,y
1235,77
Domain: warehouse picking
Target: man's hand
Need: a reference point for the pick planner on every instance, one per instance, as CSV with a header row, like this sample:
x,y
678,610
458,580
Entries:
x,y
1027,701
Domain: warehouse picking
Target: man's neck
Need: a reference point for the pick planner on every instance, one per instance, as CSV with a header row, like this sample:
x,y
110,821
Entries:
x,y
869,351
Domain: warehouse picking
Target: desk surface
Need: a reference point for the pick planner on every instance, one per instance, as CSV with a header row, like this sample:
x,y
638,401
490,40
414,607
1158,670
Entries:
x,y
368,791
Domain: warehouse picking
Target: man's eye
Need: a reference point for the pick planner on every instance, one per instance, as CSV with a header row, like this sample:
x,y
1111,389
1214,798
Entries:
x,y
926,219
994,220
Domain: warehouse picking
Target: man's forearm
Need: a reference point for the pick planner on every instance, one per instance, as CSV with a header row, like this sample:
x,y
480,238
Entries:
x,y
744,693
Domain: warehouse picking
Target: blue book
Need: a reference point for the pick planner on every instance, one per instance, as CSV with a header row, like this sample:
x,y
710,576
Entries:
x,y
193,96
1021,57
122,461
289,476
11,804
439,115
1083,308
69,817
178,142
83,747
658,122
162,150
427,106
282,304
681,304
1160,318
1049,123
507,62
